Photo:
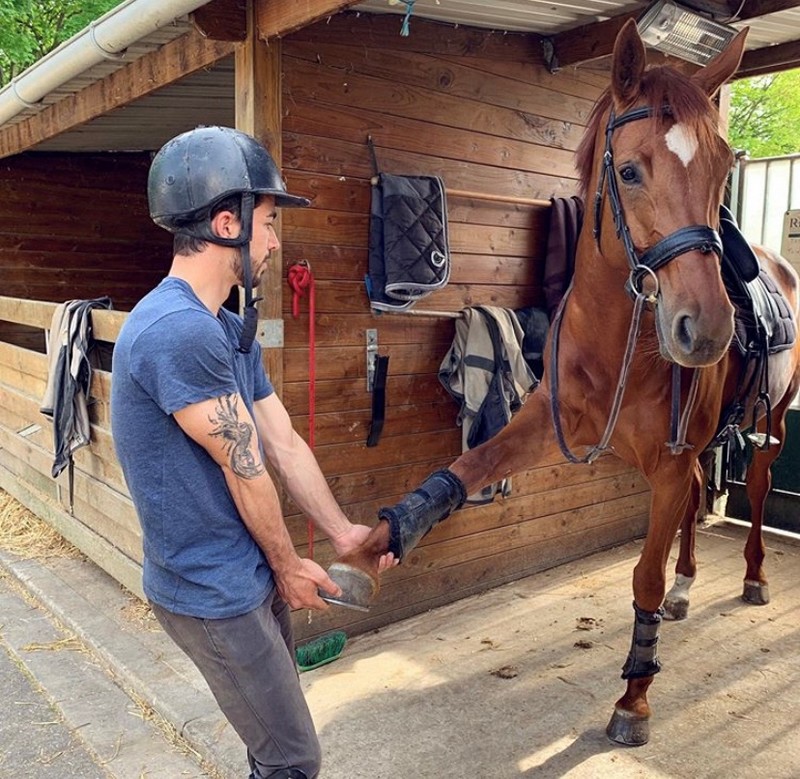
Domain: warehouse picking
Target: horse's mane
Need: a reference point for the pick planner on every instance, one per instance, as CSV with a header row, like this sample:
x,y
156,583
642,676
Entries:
x,y
661,85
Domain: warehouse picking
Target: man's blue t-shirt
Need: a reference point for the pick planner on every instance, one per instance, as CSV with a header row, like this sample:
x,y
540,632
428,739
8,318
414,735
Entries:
x,y
199,558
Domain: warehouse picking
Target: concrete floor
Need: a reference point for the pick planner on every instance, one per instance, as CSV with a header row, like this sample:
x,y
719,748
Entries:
x,y
521,681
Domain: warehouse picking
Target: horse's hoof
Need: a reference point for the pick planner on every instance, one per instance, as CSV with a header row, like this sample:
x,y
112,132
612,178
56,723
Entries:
x,y
630,730
755,593
358,587
676,609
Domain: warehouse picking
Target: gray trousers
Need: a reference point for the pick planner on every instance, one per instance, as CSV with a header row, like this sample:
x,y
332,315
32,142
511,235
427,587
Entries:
x,y
249,664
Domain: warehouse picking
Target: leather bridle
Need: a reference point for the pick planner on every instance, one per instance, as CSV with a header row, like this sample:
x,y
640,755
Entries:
x,y
702,238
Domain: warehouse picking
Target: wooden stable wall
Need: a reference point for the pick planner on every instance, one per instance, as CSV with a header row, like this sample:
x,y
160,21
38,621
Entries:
x,y
475,109
470,106
76,225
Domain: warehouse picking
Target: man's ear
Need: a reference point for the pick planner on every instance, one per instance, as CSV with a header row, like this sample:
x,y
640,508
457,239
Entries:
x,y
225,225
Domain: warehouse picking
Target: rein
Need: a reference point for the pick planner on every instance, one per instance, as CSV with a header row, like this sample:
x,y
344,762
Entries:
x,y
699,237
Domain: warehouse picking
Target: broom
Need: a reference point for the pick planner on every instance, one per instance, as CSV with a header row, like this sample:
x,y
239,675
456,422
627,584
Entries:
x,y
329,646
320,651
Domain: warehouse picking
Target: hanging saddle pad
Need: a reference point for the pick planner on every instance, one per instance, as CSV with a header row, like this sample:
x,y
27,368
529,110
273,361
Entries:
x,y
408,246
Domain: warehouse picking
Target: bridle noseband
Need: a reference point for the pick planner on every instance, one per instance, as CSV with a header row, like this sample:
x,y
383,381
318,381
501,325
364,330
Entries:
x,y
694,237
686,239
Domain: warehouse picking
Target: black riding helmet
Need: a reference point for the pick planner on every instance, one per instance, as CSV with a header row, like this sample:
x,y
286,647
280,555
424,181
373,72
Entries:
x,y
197,170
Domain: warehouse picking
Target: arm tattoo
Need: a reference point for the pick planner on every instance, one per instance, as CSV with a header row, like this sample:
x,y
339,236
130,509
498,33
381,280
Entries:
x,y
236,438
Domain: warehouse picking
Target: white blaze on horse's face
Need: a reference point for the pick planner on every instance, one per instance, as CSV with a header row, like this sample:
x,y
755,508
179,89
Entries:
x,y
682,142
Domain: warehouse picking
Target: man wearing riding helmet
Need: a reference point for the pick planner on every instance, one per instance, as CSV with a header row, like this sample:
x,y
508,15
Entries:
x,y
193,416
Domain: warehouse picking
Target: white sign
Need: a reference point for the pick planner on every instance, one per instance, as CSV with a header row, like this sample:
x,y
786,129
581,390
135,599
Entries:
x,y
790,245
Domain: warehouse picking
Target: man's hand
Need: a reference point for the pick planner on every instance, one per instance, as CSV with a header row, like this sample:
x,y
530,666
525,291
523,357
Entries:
x,y
353,538
298,584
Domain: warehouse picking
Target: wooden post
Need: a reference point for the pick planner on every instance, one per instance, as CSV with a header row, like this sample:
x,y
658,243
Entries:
x,y
258,112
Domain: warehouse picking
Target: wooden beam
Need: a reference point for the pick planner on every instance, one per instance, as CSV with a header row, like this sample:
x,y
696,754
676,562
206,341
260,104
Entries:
x,y
258,112
171,62
592,41
276,18
222,20
582,44
770,59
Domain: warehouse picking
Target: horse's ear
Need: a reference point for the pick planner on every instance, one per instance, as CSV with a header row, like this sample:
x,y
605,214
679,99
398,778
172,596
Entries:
x,y
627,65
722,67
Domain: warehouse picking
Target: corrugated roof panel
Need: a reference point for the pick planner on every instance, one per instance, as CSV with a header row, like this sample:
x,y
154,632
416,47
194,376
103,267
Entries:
x,y
514,15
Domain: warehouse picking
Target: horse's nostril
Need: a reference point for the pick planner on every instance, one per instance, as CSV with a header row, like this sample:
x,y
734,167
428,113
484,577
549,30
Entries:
x,y
684,332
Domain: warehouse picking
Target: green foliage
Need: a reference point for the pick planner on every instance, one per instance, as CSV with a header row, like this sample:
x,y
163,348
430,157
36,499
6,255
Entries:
x,y
29,29
765,114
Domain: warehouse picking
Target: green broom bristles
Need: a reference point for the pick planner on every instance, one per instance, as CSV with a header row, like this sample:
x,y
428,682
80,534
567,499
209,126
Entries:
x,y
320,650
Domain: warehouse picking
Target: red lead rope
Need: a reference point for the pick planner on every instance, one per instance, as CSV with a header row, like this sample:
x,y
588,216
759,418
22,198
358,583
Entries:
x,y
301,281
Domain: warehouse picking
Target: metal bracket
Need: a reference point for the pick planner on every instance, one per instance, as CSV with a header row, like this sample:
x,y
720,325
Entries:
x,y
372,353
270,333
550,56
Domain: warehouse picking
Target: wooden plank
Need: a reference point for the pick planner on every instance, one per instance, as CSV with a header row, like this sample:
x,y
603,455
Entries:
x,y
100,551
345,297
416,135
115,521
770,59
349,362
16,381
379,32
24,361
333,193
448,77
333,396
411,448
348,329
281,17
353,160
38,313
315,84
351,426
168,64
386,486
98,459
34,313
222,20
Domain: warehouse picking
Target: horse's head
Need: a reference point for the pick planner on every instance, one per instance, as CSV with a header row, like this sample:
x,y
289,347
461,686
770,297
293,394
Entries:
x,y
656,164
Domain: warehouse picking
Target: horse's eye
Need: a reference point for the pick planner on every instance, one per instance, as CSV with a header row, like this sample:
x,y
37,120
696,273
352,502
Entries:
x,y
629,174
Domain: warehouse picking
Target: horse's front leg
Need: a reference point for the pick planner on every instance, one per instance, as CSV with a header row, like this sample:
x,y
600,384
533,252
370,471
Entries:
x,y
671,487
525,441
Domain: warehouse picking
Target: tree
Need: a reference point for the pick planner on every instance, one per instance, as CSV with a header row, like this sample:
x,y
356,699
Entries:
x,y
765,114
29,29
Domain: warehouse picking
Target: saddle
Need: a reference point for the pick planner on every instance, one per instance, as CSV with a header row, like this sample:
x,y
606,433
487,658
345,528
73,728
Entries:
x,y
763,325
763,318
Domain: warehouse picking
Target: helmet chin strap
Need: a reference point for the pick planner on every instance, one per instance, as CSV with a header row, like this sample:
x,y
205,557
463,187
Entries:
x,y
250,313
204,232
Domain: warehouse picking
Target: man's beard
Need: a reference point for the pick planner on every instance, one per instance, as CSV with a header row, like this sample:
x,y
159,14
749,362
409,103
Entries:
x,y
238,269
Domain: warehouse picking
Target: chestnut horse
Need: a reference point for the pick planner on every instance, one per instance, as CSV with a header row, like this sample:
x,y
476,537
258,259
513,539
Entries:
x,y
640,351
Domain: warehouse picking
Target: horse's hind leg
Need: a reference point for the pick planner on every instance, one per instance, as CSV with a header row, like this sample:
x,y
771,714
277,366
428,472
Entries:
x,y
759,481
676,602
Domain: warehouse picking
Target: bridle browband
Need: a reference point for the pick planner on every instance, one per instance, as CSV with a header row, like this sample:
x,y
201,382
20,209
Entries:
x,y
694,237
